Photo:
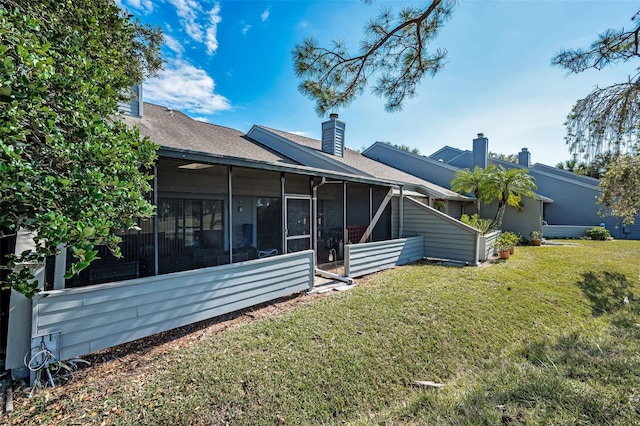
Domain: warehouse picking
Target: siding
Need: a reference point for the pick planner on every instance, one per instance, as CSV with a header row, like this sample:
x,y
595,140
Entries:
x,y
487,244
395,217
362,259
454,209
101,316
565,231
444,237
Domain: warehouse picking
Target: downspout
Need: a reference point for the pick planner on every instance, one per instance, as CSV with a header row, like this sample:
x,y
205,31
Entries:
x,y
156,240
283,218
230,210
370,210
345,233
401,212
314,200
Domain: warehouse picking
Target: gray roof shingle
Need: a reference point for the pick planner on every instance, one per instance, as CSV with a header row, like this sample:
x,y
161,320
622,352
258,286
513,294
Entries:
x,y
174,129
366,165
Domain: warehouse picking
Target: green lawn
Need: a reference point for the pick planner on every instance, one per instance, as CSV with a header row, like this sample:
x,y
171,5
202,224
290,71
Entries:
x,y
543,338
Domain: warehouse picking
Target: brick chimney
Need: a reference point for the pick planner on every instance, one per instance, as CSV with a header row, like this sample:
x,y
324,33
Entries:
x,y
480,151
333,136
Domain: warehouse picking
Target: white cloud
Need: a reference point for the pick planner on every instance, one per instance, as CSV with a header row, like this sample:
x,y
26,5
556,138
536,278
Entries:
x,y
212,31
142,5
246,29
265,15
299,133
190,11
173,44
203,119
184,87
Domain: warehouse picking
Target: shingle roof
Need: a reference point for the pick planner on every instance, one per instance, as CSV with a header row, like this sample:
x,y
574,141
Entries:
x,y
173,129
366,165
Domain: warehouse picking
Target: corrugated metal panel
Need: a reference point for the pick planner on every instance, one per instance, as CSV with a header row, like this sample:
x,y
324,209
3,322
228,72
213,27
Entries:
x,y
362,259
444,237
94,318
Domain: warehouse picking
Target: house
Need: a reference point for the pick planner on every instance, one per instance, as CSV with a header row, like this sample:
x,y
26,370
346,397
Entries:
x,y
565,201
241,219
441,168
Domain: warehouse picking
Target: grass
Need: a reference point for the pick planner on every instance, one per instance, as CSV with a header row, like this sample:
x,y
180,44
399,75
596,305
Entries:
x,y
543,338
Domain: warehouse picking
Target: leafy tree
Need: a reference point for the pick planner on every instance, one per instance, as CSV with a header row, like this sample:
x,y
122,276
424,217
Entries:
x,y
620,187
572,165
511,158
404,147
394,50
508,186
603,127
409,149
479,182
70,170
607,119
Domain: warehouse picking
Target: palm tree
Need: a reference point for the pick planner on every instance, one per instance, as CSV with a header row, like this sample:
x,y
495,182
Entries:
x,y
477,182
508,186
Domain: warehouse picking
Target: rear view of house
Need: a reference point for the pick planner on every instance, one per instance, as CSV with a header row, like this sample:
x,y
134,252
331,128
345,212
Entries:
x,y
241,219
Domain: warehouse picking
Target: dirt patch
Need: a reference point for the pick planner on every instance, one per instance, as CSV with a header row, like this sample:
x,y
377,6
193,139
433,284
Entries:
x,y
136,358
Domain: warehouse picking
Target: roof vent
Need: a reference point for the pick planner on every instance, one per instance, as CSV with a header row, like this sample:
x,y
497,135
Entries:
x,y
333,136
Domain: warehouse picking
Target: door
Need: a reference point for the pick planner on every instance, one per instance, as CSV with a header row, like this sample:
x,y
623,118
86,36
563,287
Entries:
x,y
298,224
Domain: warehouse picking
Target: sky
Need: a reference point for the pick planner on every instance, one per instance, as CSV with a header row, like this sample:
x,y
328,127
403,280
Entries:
x,y
230,63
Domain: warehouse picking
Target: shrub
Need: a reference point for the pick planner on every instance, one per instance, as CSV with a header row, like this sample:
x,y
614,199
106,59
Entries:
x,y
483,225
509,238
598,233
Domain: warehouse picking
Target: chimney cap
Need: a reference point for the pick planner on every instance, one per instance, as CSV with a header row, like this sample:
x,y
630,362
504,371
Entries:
x,y
481,135
333,116
524,150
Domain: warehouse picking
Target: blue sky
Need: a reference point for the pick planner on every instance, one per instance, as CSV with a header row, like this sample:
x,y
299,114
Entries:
x,y
229,63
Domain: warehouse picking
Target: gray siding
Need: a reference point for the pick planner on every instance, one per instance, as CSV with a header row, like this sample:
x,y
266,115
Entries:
x,y
101,316
416,165
565,231
444,237
521,221
362,259
488,244
395,217
454,208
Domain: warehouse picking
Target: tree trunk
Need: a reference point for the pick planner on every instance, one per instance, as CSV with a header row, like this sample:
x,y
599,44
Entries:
x,y
497,222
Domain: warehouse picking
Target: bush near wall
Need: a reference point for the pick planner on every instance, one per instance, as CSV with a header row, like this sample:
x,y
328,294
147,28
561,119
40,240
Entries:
x,y
598,233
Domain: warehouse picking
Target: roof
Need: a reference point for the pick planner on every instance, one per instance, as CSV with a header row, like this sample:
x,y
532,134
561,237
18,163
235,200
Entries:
x,y
447,154
180,136
355,162
174,129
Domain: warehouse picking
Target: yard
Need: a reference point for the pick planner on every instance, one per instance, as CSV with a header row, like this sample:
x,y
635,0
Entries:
x,y
544,338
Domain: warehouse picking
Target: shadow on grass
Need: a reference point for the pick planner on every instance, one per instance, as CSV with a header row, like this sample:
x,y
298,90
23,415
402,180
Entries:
x,y
571,379
606,291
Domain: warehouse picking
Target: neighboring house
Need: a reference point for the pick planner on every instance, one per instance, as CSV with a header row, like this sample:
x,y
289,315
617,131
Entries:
x,y
241,219
564,200
441,168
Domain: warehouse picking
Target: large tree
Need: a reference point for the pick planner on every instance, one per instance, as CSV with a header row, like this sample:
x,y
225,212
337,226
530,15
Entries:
x,y
395,51
70,170
508,186
606,122
479,182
